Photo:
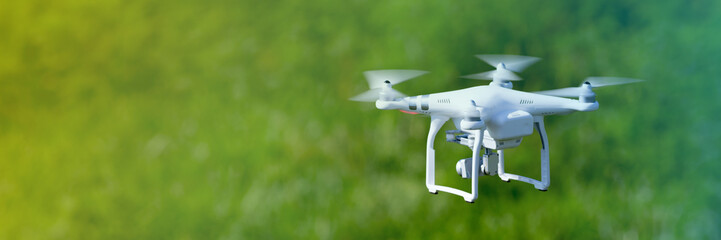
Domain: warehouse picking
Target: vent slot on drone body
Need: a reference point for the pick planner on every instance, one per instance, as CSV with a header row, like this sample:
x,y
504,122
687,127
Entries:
x,y
444,100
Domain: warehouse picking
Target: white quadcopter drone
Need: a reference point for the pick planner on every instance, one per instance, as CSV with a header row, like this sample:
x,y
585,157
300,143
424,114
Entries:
x,y
492,117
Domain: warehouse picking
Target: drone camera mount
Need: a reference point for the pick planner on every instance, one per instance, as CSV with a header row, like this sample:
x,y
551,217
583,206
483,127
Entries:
x,y
490,163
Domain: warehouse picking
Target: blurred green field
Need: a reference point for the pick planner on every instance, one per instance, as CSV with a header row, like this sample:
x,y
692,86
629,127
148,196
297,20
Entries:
x,y
230,120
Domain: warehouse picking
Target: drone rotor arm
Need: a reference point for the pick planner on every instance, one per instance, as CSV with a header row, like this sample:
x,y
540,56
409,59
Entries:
x,y
562,92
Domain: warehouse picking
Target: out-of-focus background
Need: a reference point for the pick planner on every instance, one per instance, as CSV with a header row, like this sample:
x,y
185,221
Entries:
x,y
230,119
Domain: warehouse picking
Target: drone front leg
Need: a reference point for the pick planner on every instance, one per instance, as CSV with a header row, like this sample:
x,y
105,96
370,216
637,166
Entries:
x,y
436,124
477,143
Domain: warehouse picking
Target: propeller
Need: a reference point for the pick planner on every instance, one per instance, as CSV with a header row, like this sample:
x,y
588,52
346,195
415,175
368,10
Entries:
x,y
381,82
374,94
592,82
377,78
505,65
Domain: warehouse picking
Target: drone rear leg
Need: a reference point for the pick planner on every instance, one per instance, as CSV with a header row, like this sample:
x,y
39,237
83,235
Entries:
x,y
545,165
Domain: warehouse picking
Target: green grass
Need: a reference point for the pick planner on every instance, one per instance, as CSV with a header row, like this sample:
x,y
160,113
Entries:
x,y
230,119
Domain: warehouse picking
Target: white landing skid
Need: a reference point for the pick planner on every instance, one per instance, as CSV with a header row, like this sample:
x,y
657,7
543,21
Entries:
x,y
474,140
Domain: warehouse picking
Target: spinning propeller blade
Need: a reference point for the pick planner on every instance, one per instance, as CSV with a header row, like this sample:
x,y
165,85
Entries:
x,y
505,66
373,95
501,74
377,78
512,62
593,81
609,81
380,81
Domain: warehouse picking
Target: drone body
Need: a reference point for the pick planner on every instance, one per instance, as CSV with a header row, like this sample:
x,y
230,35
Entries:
x,y
489,117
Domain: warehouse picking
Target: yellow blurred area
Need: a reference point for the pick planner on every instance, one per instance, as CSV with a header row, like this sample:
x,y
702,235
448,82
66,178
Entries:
x,y
230,120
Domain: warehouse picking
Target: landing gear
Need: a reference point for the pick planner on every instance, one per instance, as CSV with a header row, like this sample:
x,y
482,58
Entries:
x,y
488,163
474,141
545,165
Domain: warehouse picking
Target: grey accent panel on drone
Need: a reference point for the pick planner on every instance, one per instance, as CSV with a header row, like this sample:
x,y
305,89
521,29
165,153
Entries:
x,y
538,128
588,99
424,102
412,103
